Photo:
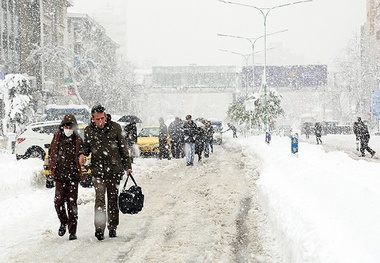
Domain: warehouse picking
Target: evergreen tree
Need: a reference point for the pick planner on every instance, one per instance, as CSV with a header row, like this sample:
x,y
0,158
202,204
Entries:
x,y
237,112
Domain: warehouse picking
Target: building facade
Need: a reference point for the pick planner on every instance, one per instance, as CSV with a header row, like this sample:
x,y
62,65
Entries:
x,y
9,37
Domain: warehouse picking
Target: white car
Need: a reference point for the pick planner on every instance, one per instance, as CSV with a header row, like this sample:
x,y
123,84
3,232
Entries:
x,y
31,142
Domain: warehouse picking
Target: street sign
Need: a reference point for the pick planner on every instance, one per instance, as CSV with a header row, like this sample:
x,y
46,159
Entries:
x,y
294,144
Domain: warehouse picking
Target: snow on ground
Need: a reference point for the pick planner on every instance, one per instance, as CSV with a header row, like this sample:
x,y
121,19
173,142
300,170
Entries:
x,y
249,202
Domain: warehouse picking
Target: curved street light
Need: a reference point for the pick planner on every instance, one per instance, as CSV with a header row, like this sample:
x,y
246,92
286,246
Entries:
x,y
252,40
264,12
246,57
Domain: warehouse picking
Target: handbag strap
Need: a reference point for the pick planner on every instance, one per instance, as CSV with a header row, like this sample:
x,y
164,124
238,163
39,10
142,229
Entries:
x,y
133,179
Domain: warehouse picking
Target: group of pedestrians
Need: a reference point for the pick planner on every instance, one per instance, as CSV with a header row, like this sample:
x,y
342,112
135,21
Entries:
x,y
110,159
187,139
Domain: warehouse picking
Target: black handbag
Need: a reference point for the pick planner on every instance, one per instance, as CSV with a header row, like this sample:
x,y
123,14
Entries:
x,y
131,201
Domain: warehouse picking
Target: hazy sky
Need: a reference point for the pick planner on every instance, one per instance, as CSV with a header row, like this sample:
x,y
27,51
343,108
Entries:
x,y
182,32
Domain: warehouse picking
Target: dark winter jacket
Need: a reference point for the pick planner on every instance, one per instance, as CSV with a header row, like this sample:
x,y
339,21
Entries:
x,y
209,132
176,131
163,133
362,131
356,130
200,139
108,149
63,162
190,132
318,130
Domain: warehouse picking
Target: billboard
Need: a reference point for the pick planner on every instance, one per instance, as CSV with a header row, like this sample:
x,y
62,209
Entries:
x,y
296,76
194,76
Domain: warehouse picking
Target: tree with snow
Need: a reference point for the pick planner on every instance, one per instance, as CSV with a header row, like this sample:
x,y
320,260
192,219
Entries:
x,y
15,90
237,112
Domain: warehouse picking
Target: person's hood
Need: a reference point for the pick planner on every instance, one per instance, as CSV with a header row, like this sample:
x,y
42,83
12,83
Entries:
x,y
69,119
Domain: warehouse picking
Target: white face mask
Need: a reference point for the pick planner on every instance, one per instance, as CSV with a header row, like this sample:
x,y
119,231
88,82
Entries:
x,y
68,132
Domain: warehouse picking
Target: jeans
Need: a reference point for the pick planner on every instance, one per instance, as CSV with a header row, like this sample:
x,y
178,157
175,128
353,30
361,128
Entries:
x,y
189,152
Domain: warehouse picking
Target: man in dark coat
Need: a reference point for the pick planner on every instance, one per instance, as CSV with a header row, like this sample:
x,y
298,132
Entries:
x,y
163,151
318,132
364,137
233,128
356,132
176,137
209,137
200,139
103,139
190,132
66,172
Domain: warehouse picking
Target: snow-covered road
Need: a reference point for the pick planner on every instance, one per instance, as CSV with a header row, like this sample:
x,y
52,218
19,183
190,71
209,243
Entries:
x,y
205,213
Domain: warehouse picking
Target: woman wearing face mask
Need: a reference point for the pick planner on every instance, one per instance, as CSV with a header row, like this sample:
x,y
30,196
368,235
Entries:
x,y
66,172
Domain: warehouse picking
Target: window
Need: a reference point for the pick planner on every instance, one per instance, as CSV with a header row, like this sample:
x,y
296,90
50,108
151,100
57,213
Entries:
x,y
46,129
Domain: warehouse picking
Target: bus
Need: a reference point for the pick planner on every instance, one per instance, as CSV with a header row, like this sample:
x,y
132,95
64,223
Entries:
x,y
56,112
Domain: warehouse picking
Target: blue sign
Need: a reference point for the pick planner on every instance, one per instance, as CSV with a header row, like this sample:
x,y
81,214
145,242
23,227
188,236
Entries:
x,y
375,104
294,143
267,137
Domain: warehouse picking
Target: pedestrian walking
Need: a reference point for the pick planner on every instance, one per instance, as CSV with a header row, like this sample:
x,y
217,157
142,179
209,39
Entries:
x,y
175,130
356,132
103,139
190,132
66,172
200,138
318,132
364,136
131,138
163,151
307,131
209,137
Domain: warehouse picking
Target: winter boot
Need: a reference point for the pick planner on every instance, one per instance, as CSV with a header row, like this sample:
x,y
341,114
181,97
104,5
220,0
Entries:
x,y
62,230
112,233
99,234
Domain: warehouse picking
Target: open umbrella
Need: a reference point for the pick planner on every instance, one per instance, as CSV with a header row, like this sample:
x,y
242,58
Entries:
x,y
130,118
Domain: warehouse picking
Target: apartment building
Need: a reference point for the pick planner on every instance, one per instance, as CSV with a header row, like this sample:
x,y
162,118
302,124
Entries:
x,y
370,45
94,52
9,31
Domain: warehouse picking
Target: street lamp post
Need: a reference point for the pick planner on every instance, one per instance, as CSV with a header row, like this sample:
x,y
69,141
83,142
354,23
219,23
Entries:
x,y
252,40
246,57
265,11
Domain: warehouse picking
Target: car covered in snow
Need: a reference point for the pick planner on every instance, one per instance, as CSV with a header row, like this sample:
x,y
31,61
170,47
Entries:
x,y
30,143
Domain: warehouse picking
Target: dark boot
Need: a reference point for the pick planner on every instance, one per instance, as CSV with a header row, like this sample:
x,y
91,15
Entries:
x,y
62,230
99,234
112,233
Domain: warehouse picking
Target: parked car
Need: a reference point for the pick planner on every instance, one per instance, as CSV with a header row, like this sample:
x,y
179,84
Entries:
x,y
85,168
218,128
147,140
30,143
